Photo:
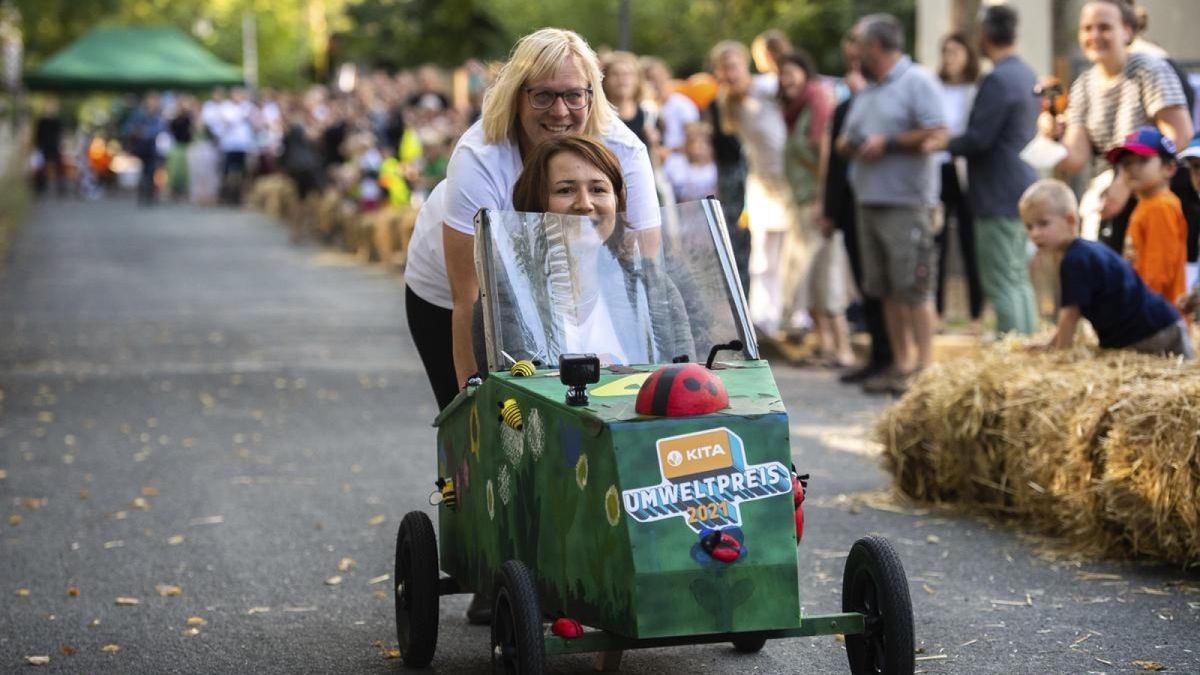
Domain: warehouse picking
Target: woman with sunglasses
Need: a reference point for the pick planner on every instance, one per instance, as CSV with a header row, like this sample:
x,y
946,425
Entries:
x,y
550,87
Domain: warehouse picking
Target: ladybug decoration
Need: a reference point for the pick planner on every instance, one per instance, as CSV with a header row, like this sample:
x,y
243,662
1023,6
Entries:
x,y
566,628
721,545
680,390
799,487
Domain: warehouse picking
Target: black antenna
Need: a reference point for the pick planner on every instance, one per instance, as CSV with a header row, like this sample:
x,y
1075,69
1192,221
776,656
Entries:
x,y
734,345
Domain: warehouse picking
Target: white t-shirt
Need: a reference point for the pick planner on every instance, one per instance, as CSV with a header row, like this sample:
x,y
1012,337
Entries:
x,y
482,175
677,112
690,181
425,269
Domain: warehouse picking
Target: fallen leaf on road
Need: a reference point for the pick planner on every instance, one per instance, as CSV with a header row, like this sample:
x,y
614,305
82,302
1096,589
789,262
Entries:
x,y
1149,665
379,579
111,648
259,610
140,503
67,650
45,416
207,520
120,515
196,621
168,590
933,539
346,564
94,623
72,592
37,660
175,539
23,592
148,491
85,494
126,602
377,520
190,632
381,595
15,520
391,653
69,439
333,581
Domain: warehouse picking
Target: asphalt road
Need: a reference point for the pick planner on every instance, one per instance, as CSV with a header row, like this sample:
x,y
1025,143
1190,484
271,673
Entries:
x,y
199,417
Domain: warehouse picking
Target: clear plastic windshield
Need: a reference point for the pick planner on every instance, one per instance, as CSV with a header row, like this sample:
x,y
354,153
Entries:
x,y
554,284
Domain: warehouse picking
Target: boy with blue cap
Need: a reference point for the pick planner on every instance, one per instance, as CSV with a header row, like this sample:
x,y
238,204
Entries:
x,y
1156,241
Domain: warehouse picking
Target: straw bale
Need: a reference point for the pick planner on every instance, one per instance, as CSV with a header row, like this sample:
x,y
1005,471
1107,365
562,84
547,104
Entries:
x,y
1099,448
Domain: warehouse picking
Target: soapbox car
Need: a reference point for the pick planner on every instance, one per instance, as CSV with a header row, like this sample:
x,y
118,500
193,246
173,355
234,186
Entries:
x,y
625,464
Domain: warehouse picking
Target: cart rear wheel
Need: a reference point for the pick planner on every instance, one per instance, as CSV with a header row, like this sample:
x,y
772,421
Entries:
x,y
749,644
874,584
518,645
417,598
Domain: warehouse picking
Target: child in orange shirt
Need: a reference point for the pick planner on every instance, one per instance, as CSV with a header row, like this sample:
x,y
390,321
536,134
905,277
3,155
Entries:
x,y
1157,231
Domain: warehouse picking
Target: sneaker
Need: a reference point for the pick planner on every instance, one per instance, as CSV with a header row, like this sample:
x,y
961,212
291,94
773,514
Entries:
x,y
479,612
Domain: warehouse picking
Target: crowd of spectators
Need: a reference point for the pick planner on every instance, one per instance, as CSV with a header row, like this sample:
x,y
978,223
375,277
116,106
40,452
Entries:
x,y
838,192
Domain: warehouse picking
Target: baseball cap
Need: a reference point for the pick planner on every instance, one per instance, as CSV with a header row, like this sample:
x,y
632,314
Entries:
x,y
1192,150
1144,141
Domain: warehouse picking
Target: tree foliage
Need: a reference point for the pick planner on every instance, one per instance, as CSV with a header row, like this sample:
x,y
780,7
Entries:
x,y
293,35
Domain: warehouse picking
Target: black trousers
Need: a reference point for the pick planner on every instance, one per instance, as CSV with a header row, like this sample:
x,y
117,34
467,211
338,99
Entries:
x,y
956,204
430,327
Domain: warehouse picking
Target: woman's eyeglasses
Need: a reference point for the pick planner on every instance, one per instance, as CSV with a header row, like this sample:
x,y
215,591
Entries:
x,y
574,99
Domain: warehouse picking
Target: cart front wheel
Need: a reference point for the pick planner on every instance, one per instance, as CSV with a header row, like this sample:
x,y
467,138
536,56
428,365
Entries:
x,y
749,644
416,578
518,645
874,584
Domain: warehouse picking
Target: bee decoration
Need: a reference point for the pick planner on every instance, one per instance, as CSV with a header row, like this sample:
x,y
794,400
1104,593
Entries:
x,y
510,414
523,368
445,493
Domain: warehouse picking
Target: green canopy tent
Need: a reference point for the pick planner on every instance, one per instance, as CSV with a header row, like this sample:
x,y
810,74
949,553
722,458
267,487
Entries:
x,y
133,59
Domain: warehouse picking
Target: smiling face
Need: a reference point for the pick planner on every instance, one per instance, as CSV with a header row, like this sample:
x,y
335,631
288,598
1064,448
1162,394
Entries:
x,y
732,71
579,188
1103,37
535,126
792,79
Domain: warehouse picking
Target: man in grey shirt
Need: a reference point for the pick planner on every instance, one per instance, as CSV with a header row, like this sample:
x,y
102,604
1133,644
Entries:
x,y
896,184
1003,120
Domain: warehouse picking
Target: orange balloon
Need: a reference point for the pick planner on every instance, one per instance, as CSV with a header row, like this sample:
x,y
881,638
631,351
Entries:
x,y
701,88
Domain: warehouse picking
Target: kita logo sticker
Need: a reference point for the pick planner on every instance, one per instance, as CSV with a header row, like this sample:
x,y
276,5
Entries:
x,y
704,479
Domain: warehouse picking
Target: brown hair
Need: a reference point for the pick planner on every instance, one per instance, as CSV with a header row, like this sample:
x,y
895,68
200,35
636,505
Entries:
x,y
970,71
532,190
1129,15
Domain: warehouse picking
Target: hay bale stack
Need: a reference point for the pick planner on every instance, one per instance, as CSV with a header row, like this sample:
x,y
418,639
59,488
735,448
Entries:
x,y
1100,449
275,195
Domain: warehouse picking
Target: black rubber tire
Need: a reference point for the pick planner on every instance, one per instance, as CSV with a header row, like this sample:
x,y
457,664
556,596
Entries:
x,y
749,643
518,639
875,585
416,589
